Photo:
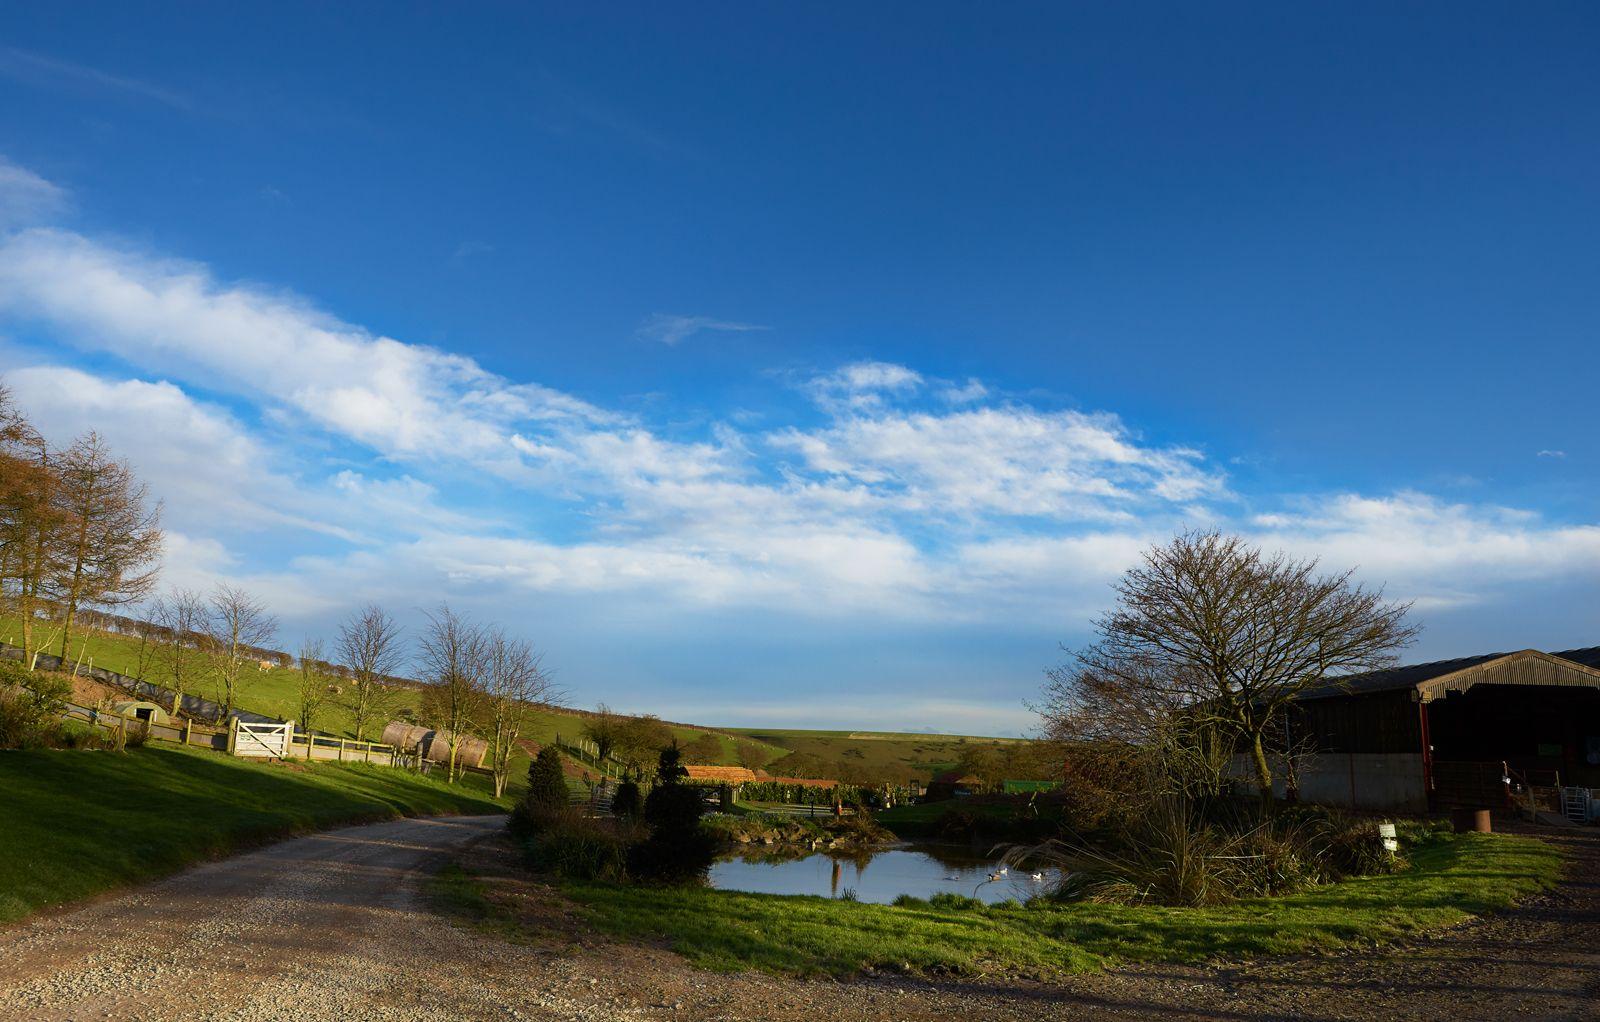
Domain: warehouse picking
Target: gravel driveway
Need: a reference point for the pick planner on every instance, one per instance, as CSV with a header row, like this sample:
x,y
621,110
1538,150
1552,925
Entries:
x,y
332,927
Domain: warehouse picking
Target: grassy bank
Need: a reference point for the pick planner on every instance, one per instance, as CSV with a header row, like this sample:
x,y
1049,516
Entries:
x,y
1448,881
79,823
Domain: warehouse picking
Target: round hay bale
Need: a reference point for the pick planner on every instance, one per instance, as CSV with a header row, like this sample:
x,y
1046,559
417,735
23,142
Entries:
x,y
469,750
403,736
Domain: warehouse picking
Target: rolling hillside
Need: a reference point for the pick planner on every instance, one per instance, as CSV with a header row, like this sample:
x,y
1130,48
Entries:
x,y
275,692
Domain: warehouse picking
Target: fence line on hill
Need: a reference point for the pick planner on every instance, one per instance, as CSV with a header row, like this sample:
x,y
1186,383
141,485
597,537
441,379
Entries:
x,y
193,705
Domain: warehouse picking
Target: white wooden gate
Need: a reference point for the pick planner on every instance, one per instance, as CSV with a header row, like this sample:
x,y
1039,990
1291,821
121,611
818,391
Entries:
x,y
262,740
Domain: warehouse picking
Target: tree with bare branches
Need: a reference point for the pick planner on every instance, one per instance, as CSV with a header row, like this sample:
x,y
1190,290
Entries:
x,y
311,690
109,535
751,756
369,647
454,656
517,683
181,617
605,729
1211,637
238,624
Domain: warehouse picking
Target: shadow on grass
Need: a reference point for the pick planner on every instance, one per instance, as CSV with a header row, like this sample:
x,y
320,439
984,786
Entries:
x,y
82,822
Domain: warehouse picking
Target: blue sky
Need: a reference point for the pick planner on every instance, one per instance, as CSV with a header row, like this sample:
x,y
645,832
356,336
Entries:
x,y
776,364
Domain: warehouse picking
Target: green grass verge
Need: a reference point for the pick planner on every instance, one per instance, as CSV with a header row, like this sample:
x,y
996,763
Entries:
x,y
1446,882
79,823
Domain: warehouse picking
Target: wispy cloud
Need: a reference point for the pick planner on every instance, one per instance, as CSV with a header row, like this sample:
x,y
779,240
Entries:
x,y
1552,454
52,72
26,198
670,329
468,249
972,390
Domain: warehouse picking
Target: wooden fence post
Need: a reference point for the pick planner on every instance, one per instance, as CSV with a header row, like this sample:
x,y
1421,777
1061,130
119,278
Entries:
x,y
341,750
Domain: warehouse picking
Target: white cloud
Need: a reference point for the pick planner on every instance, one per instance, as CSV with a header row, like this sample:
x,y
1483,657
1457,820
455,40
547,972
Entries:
x,y
404,400
670,329
1429,550
52,72
1010,461
972,390
861,386
26,198
1552,454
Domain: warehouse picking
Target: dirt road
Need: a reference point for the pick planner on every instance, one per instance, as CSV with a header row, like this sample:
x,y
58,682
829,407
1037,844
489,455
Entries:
x,y
333,927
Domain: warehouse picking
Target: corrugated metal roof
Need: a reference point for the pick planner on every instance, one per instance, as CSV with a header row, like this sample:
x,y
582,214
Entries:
x,y
1410,676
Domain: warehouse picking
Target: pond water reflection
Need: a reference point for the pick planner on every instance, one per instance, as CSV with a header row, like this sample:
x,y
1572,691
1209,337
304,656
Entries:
x,y
920,870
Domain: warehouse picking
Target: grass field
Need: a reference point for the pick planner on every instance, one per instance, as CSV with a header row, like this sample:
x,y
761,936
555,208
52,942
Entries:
x,y
78,823
922,754
1448,881
275,693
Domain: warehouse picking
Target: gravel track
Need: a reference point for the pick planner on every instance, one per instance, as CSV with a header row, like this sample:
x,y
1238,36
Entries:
x,y
333,927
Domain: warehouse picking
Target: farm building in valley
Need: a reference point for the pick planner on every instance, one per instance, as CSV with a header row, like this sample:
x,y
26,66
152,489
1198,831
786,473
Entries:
x,y
1449,734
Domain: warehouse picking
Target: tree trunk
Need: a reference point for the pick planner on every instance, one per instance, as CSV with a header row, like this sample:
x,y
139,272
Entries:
x,y
1258,756
80,553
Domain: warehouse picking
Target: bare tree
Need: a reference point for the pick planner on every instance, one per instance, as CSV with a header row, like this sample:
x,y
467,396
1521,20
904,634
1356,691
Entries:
x,y
238,624
455,663
603,728
640,740
517,683
369,648
148,632
181,618
706,749
312,688
110,536
751,756
1211,632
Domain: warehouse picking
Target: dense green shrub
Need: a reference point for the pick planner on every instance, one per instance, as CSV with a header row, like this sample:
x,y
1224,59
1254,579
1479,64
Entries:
x,y
669,765
678,848
673,807
30,707
547,782
625,802
546,799
577,847
798,794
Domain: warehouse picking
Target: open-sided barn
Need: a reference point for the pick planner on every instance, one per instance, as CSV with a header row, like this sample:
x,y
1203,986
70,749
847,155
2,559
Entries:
x,y
1451,733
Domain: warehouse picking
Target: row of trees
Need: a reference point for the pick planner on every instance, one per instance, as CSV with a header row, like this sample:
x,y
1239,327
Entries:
x,y
77,530
636,742
475,681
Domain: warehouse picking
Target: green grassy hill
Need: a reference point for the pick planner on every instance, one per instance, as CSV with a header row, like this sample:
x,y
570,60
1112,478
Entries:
x,y
275,692
82,822
919,755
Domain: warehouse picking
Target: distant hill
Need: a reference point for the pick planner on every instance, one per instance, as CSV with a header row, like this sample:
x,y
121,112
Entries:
x,y
273,690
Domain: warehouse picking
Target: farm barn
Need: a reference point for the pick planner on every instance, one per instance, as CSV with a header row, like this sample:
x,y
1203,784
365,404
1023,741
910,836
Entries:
x,y
1449,734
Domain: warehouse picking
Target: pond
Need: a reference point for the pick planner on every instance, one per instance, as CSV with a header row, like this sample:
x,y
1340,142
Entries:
x,y
919,869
